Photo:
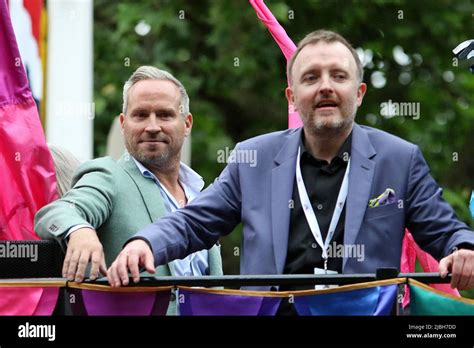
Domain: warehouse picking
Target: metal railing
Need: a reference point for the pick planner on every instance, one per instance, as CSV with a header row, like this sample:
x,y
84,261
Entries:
x,y
272,280
259,280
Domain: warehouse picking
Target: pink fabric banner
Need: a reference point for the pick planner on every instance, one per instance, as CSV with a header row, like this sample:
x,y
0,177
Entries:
x,y
28,300
410,251
26,167
286,45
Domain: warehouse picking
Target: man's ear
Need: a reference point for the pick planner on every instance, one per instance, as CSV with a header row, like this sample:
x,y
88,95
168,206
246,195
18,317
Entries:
x,y
290,97
188,121
360,93
122,120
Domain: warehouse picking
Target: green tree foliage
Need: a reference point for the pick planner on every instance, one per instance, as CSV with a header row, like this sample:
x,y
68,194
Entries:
x,y
235,73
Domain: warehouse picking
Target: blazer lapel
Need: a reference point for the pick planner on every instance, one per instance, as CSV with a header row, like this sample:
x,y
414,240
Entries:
x,y
360,182
149,191
283,176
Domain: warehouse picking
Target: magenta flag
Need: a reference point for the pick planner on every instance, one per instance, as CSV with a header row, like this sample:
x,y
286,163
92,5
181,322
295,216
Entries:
x,y
101,300
286,45
26,166
411,251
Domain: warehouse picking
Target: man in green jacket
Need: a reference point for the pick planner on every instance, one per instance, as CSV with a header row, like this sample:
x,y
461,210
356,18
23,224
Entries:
x,y
110,200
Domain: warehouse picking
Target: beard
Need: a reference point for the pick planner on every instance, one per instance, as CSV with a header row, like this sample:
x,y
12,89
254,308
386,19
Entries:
x,y
333,124
160,161
321,124
152,158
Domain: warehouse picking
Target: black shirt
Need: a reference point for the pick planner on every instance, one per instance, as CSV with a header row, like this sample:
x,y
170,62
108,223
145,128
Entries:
x,y
322,181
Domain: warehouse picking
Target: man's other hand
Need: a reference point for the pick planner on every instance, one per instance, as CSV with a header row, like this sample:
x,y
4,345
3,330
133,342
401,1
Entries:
x,y
135,254
461,264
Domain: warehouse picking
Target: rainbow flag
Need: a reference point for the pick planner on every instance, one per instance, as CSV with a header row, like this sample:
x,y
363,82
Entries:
x,y
428,301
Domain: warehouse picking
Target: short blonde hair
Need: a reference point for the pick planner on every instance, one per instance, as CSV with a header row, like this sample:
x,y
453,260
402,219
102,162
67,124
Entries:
x,y
146,72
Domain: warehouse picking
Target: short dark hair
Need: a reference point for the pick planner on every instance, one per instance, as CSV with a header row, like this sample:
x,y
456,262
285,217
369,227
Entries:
x,y
328,37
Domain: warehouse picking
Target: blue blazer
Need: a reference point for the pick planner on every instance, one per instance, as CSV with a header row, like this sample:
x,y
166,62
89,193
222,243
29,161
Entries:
x,y
259,194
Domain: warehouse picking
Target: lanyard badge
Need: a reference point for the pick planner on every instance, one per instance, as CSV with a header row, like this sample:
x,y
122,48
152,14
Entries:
x,y
311,216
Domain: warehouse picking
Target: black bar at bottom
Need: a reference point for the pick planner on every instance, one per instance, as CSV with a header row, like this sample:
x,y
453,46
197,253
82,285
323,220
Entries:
x,y
288,331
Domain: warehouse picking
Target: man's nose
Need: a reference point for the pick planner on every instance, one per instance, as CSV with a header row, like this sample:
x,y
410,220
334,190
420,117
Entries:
x,y
153,124
326,86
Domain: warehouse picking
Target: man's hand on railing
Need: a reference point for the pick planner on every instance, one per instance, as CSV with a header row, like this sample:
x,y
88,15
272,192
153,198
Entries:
x,y
83,247
461,264
136,254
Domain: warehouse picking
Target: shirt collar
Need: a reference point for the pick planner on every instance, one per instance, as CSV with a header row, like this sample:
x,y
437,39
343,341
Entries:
x,y
186,175
342,154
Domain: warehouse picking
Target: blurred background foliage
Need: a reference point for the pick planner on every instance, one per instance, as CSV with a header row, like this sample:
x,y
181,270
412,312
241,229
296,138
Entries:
x,y
235,74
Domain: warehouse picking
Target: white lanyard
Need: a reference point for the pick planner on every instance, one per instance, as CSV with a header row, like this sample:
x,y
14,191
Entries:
x,y
309,212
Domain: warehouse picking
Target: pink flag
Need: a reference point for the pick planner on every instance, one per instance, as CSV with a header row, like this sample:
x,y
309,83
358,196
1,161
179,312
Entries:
x,y
26,166
28,300
411,251
286,45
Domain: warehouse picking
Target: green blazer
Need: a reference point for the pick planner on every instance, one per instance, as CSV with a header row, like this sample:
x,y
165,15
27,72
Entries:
x,y
117,201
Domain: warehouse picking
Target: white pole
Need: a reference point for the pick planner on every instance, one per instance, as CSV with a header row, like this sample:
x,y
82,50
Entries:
x,y
69,105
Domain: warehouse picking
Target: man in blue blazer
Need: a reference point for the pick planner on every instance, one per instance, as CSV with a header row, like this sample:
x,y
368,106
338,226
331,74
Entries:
x,y
312,192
